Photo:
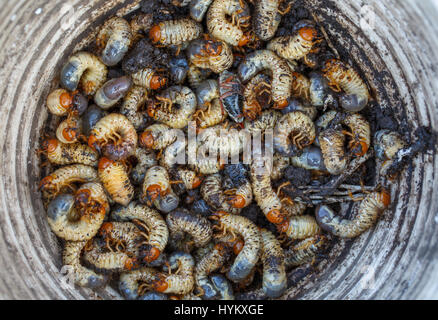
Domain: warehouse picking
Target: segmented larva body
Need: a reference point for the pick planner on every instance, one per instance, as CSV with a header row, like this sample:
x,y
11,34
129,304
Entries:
x,y
115,38
213,194
361,131
300,126
332,148
250,254
242,196
366,216
156,184
346,78
206,92
189,178
267,18
174,153
64,177
83,276
295,47
85,68
222,286
89,203
279,164
224,142
274,271
215,55
59,102
115,179
145,160
264,195
267,120
177,118
299,227
300,86
182,222
281,74
257,88
112,92
175,32
134,100
63,154
219,26
68,131
293,209
386,146
158,234
198,9
206,166
129,281
118,128
181,283
213,116
149,79
158,136
122,231
305,251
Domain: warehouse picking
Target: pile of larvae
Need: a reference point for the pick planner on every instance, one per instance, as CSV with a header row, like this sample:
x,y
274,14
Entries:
x,y
129,215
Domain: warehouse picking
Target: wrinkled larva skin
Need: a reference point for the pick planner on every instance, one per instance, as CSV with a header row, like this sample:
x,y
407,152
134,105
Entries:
x,y
158,234
64,177
180,116
213,194
367,214
356,95
231,97
181,222
68,131
300,227
297,105
332,148
211,262
198,9
266,19
274,271
300,86
196,75
122,231
264,195
129,281
250,254
189,178
158,136
156,184
115,179
295,209
213,116
115,37
206,92
297,124
90,118
59,102
305,251
296,46
134,100
170,156
257,88
219,26
222,286
149,79
175,32
224,142
387,144
281,73
311,158
207,166
181,283
210,54
360,128
64,154
279,164
91,213
86,68
146,159
112,92
114,127
267,120
83,277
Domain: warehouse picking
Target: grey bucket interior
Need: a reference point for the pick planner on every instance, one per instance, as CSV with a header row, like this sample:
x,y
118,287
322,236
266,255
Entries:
x,y
397,57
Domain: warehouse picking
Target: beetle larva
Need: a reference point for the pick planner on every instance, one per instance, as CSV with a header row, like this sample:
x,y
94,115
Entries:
x,y
189,178
240,197
115,38
149,79
206,92
129,281
83,276
112,92
213,194
267,120
145,160
207,165
167,203
60,102
299,227
386,145
116,181
157,136
311,158
332,148
366,216
227,143
281,74
274,271
345,78
132,104
63,154
293,208
212,116
267,18
198,9
68,131
210,54
158,234
257,96
360,132
156,184
305,251
175,32
222,286
86,68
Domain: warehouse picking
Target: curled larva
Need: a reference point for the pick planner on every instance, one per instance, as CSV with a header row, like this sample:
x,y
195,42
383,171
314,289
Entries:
x,y
213,194
115,136
60,102
63,154
299,227
86,68
196,76
182,282
260,60
69,130
78,217
293,132
149,79
115,179
267,18
83,276
158,233
129,282
279,164
198,9
274,271
250,253
366,216
175,107
360,133
267,121
257,96
175,32
145,160
345,78
112,92
212,54
221,28
305,251
115,38
132,104
156,184
213,116
300,86
63,178
241,196
332,148
157,136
